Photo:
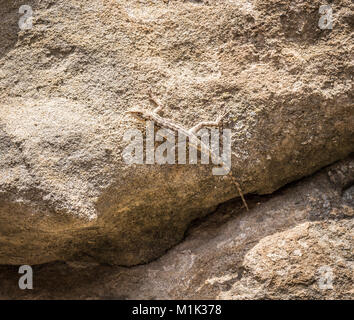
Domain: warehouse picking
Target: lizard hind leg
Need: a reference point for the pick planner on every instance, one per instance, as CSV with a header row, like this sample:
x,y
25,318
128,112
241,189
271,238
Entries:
x,y
203,124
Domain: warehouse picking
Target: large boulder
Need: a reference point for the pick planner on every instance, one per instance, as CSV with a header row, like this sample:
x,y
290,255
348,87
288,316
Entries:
x,y
294,244
65,191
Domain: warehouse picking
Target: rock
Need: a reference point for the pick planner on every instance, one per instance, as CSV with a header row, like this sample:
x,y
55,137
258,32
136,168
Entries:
x,y
294,244
65,191
287,264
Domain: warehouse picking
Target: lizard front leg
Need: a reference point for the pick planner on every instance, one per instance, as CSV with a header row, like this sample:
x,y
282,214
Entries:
x,y
157,104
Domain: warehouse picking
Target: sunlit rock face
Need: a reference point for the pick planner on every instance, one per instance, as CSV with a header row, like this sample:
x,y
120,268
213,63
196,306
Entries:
x,y
283,83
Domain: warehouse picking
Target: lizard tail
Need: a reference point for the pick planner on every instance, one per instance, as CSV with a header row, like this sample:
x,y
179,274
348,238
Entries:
x,y
240,192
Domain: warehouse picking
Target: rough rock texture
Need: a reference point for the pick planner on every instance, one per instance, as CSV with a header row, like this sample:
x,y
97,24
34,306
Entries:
x,y
295,244
65,191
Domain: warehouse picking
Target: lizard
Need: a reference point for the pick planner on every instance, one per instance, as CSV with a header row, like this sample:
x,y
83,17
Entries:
x,y
144,115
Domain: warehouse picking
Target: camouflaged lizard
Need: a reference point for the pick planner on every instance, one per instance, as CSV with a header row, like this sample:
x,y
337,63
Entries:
x,y
144,115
